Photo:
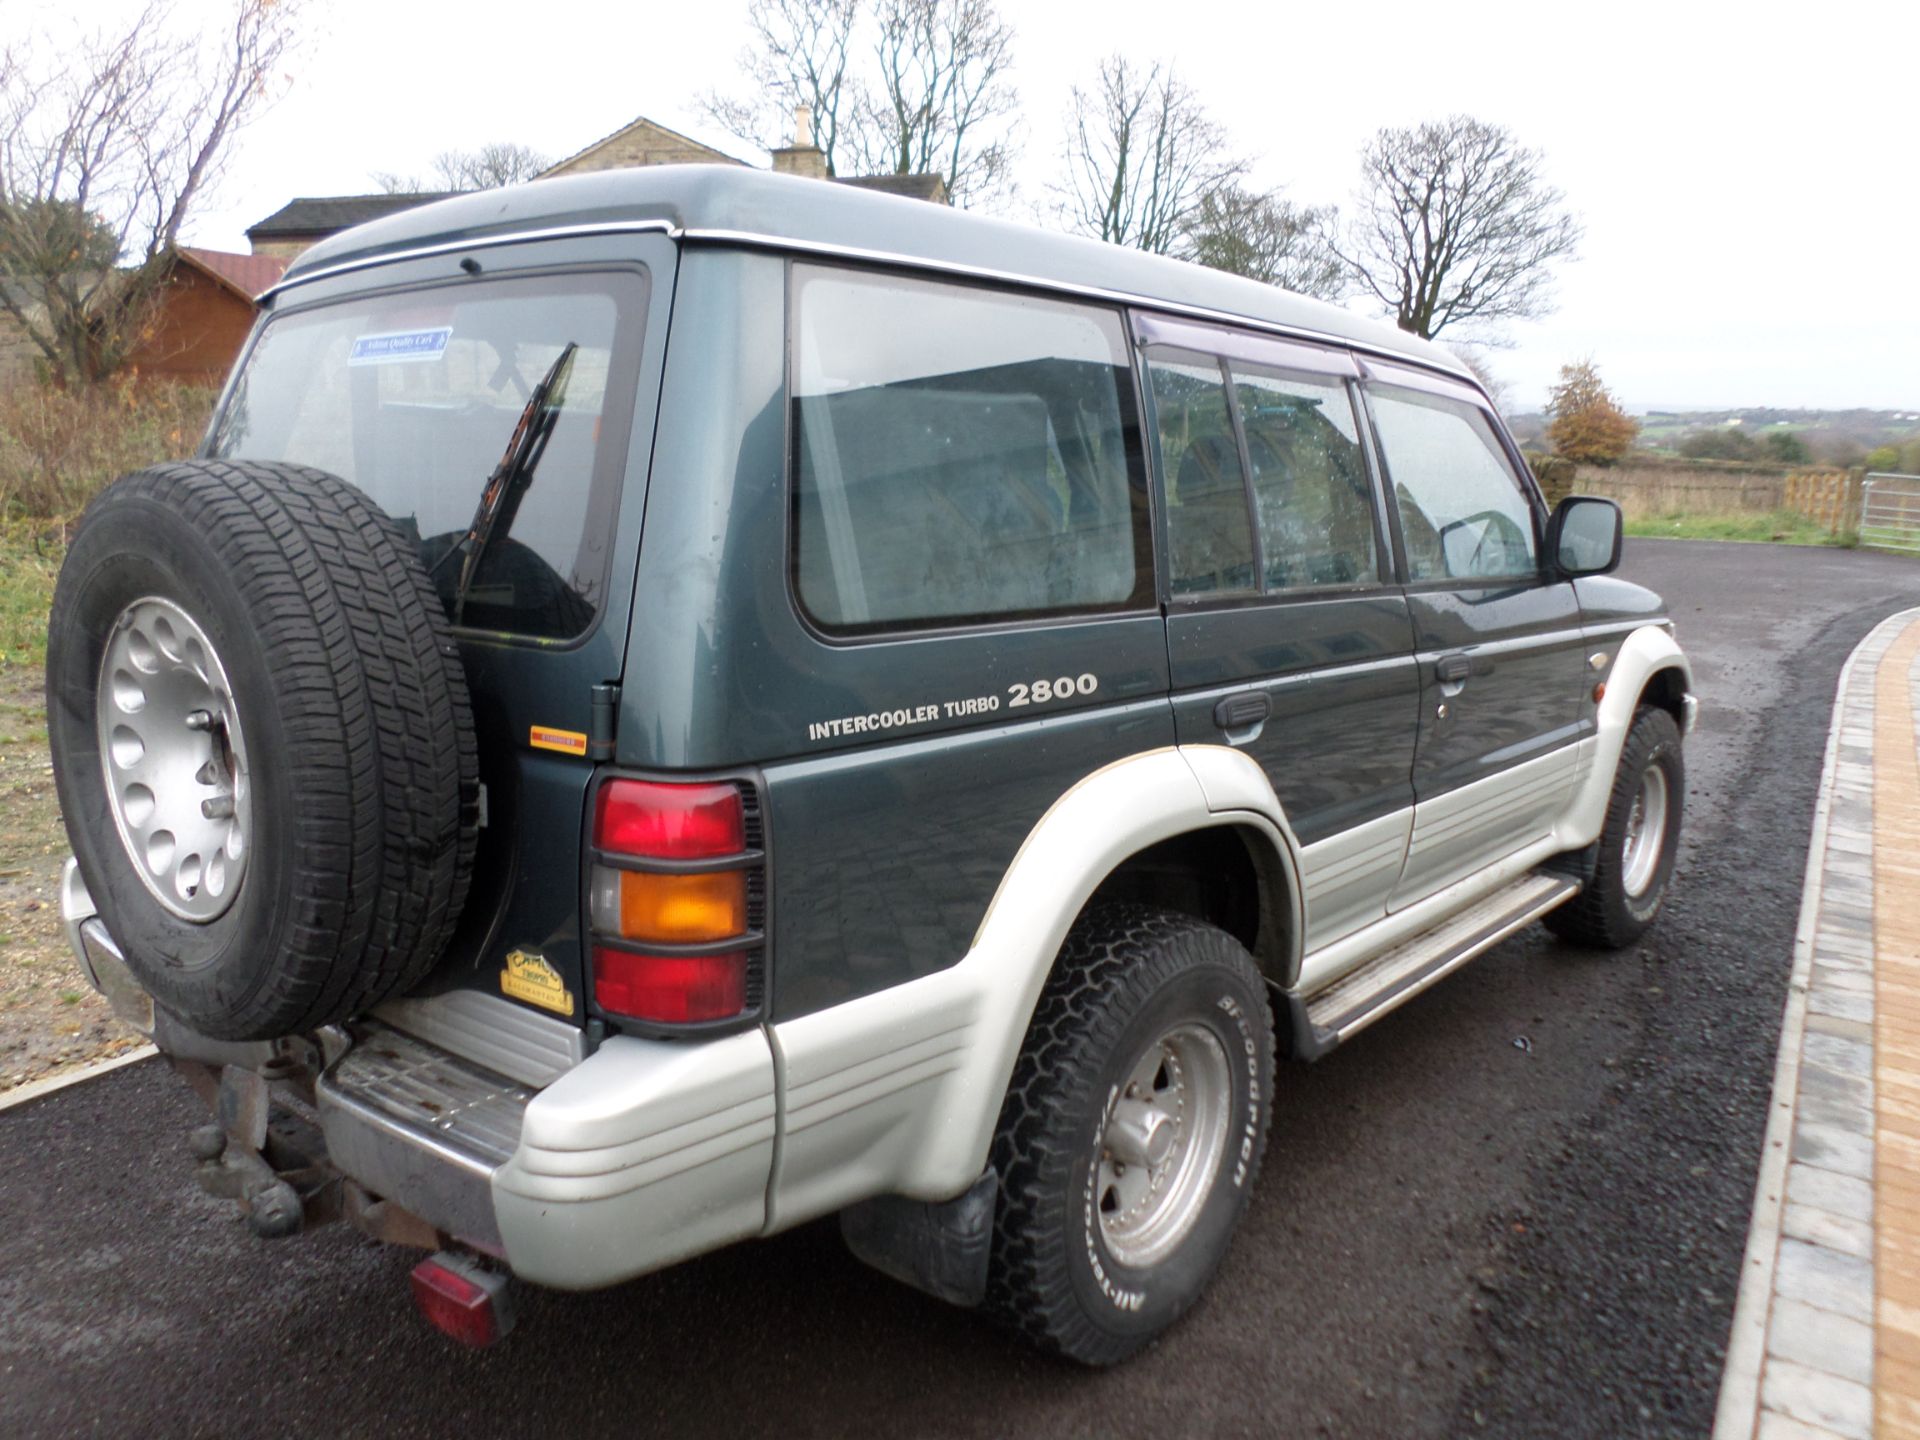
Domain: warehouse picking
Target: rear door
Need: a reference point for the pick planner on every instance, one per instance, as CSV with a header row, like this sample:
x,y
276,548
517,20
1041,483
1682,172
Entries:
x,y
410,384
1286,634
1497,637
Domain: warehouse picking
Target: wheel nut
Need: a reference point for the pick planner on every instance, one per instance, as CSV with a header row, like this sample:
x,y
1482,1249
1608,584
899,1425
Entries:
x,y
220,807
199,720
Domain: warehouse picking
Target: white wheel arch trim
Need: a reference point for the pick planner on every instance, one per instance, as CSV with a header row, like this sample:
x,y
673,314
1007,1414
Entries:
x,y
899,1091
1643,654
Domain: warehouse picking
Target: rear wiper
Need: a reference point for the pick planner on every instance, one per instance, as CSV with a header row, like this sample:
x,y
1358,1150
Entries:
x,y
500,498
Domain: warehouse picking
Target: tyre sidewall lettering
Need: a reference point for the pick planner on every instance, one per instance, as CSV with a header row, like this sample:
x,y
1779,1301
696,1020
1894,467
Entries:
x,y
1126,1299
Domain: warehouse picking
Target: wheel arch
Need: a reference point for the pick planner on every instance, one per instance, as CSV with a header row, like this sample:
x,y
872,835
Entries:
x,y
1650,668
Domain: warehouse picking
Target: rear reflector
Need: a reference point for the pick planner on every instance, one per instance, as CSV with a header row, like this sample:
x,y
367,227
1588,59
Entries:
x,y
670,822
462,1300
670,989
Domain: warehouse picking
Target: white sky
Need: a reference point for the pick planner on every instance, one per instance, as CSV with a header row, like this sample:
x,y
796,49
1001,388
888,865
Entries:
x,y
1746,174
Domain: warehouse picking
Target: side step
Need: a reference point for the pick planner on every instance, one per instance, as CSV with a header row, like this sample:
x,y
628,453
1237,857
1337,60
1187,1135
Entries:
x,y
1356,1000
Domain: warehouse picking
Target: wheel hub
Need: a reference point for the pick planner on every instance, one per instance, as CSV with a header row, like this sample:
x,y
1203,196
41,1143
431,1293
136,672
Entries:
x,y
1646,833
175,759
1161,1144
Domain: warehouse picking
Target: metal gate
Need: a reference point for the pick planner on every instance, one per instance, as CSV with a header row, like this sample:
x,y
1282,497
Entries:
x,y
1890,512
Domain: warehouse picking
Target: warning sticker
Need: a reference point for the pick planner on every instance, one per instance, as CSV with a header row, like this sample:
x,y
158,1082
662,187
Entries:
x,y
567,742
530,978
400,347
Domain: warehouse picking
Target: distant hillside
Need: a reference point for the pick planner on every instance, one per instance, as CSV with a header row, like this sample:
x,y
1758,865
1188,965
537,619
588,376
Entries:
x,y
1840,435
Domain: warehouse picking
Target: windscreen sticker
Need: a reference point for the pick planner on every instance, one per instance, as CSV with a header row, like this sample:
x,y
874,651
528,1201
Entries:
x,y
400,347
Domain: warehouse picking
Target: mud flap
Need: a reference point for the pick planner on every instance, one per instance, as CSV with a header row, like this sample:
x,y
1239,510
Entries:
x,y
939,1248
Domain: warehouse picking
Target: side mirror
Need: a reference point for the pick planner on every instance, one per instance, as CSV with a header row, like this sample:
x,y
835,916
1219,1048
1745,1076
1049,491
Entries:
x,y
1583,537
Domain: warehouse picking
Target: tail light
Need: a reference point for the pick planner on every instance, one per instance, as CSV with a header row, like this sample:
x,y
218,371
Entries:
x,y
462,1300
677,900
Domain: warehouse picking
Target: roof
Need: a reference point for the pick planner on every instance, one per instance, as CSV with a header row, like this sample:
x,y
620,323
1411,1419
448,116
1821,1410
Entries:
x,y
915,187
324,214
738,205
635,124
246,275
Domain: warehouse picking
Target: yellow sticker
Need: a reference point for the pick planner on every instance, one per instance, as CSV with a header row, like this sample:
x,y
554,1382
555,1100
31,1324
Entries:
x,y
530,978
567,742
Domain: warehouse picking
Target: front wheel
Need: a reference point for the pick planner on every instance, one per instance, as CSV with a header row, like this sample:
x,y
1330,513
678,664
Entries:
x,y
1132,1133
1638,844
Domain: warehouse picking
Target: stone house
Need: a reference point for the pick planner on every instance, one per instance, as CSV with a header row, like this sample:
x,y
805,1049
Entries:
x,y
640,142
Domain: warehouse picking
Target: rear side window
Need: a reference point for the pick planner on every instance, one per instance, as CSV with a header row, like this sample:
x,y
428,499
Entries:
x,y
960,455
1209,539
1462,512
413,396
1310,483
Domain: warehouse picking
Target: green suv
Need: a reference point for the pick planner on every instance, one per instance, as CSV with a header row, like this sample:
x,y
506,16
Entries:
x,y
674,703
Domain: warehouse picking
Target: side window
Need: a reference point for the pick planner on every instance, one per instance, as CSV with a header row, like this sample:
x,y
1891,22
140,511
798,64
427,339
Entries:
x,y
1310,484
961,454
1462,512
1209,536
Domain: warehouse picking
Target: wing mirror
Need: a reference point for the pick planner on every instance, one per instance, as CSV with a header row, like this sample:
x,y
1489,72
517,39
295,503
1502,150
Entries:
x,y
1583,537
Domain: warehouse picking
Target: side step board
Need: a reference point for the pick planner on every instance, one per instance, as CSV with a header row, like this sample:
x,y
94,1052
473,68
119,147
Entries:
x,y
1356,1000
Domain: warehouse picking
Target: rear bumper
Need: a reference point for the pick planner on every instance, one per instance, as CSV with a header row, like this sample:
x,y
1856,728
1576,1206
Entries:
x,y
580,1170
643,1154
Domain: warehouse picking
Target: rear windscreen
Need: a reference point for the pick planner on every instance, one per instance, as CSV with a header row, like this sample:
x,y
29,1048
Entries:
x,y
415,398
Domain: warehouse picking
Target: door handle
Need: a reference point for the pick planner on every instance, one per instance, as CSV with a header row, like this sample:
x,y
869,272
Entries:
x,y
1237,712
1454,669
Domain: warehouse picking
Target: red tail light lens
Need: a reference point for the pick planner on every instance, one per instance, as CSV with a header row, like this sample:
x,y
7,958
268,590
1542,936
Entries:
x,y
670,822
671,989
461,1301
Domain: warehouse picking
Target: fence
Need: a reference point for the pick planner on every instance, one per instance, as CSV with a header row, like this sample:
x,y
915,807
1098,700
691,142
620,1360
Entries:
x,y
1890,512
1826,497
1652,491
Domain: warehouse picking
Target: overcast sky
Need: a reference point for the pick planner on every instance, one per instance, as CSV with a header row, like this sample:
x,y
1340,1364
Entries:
x,y
1747,175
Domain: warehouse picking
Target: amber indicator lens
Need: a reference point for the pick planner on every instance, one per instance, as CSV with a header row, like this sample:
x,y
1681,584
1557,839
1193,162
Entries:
x,y
670,909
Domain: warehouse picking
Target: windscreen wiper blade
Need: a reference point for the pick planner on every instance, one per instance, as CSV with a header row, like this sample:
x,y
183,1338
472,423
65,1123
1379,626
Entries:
x,y
500,497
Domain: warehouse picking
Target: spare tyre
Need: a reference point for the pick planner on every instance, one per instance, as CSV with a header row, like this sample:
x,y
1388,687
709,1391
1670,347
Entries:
x,y
262,744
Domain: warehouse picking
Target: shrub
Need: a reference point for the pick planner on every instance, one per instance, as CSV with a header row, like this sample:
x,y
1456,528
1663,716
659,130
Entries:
x,y
60,447
1555,474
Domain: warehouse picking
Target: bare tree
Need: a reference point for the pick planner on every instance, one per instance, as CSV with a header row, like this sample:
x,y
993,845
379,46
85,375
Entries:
x,y
943,97
896,87
491,166
105,147
799,56
1456,223
1268,238
1142,158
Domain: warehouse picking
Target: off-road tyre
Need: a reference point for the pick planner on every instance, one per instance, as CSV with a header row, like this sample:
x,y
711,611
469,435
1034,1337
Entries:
x,y
1604,915
1125,975
348,687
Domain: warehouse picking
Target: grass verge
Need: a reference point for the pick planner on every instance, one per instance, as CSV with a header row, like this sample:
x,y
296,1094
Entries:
x,y
1780,527
50,1019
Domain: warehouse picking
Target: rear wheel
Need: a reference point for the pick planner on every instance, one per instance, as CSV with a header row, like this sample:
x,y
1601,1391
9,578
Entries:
x,y
1132,1133
262,744
1638,844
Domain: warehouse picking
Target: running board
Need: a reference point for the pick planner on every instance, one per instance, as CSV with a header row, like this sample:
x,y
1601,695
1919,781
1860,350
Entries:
x,y
1356,1000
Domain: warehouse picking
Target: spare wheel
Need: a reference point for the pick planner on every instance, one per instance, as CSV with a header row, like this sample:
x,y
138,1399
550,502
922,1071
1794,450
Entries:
x,y
262,744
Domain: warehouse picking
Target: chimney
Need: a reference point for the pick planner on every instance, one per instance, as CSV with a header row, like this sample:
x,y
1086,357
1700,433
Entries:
x,y
803,157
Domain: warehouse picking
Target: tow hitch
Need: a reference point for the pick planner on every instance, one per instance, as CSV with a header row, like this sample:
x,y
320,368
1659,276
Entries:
x,y
264,1149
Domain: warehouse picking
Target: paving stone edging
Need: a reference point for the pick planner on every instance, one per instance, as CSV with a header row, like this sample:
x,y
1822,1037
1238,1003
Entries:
x,y
1800,1355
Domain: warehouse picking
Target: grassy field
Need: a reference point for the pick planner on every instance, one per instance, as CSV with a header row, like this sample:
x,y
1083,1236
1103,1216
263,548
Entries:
x,y
1782,527
49,1018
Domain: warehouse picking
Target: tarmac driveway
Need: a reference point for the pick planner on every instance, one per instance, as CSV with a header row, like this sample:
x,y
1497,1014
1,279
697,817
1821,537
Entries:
x,y
1517,1205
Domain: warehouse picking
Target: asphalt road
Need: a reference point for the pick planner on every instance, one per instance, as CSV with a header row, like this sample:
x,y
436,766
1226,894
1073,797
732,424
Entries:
x,y
1516,1207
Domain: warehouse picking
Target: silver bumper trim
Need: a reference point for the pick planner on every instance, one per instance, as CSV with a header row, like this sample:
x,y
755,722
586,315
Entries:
x,y
100,956
421,1127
